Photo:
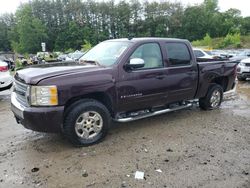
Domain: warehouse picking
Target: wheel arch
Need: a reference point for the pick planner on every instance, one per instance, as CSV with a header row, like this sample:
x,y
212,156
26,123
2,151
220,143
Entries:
x,y
101,97
222,81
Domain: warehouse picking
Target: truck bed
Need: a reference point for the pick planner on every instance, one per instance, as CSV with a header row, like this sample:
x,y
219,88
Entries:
x,y
209,70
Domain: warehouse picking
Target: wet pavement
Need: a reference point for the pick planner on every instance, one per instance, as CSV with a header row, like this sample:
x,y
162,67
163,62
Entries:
x,y
192,148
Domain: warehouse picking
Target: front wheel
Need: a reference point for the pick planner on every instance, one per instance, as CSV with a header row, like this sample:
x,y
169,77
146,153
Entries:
x,y
213,98
86,122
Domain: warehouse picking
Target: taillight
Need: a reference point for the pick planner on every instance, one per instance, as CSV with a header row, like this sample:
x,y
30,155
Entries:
x,y
3,68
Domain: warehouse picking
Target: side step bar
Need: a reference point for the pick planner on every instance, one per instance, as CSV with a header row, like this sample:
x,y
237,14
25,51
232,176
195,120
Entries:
x,y
128,119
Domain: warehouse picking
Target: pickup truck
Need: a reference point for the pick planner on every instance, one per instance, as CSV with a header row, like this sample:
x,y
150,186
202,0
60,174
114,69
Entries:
x,y
117,80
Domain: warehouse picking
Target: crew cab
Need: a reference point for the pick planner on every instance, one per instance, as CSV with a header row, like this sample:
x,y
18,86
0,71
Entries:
x,y
117,80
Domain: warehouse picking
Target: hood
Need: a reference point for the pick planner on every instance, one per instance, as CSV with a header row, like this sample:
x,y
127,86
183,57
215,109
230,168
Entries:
x,y
33,75
246,60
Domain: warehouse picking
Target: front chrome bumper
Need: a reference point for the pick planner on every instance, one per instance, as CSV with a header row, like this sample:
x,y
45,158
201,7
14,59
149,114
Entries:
x,y
16,107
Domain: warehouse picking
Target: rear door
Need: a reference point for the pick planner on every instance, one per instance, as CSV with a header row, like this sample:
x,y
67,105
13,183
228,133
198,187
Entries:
x,y
182,76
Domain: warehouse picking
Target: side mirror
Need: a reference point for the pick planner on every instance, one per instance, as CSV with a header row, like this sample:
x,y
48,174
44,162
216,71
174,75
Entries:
x,y
248,55
135,63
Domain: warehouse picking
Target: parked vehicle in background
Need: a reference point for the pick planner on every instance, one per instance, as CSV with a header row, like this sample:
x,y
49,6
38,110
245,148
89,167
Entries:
x,y
242,55
121,80
75,56
9,61
202,54
232,53
62,57
42,54
5,77
224,54
243,70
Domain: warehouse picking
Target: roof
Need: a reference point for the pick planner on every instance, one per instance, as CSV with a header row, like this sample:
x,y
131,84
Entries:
x,y
149,39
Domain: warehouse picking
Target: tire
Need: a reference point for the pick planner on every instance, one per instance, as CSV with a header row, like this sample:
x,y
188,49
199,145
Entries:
x,y
207,103
86,122
241,78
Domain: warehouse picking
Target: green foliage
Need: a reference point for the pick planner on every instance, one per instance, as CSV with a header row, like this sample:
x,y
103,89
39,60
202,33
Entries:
x,y
194,23
70,50
55,55
86,46
18,64
206,41
70,37
68,24
245,28
231,40
211,5
6,24
29,30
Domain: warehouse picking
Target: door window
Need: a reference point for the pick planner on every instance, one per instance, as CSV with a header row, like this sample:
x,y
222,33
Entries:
x,y
178,54
151,54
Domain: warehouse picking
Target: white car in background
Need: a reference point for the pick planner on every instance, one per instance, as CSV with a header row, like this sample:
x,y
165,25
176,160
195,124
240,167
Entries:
x,y
5,77
202,54
243,69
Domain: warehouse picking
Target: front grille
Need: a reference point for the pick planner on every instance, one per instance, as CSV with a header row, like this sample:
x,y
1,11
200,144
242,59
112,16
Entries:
x,y
247,64
21,90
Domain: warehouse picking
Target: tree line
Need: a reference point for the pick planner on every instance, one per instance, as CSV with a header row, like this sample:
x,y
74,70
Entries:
x,y
68,24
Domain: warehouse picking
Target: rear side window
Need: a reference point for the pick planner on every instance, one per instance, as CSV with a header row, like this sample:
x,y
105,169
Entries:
x,y
178,54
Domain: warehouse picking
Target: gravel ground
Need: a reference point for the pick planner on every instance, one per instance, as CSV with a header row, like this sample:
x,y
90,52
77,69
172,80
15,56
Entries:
x,y
188,148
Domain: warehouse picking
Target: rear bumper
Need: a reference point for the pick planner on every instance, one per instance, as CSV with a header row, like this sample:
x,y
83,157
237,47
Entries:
x,y
41,119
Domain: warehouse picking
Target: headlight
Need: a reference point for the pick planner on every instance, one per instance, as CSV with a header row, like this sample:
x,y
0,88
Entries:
x,y
43,96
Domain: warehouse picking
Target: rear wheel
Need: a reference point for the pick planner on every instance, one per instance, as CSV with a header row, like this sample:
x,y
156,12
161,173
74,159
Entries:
x,y
213,98
86,122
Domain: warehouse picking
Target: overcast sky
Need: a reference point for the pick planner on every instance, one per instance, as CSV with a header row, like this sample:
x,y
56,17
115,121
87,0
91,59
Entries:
x,y
243,5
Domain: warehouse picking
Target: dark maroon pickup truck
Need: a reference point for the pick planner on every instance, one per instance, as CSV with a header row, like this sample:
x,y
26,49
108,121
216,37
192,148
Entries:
x,y
118,80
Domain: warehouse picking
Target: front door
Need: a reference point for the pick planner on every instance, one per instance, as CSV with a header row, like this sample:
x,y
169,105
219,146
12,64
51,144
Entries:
x,y
143,87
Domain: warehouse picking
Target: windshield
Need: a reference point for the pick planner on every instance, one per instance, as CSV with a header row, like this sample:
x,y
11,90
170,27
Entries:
x,y
106,53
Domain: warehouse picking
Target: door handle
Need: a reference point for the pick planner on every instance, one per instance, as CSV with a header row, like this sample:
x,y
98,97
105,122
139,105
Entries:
x,y
160,77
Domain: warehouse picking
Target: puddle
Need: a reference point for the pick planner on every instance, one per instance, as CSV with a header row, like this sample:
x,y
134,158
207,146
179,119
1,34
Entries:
x,y
243,89
239,99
